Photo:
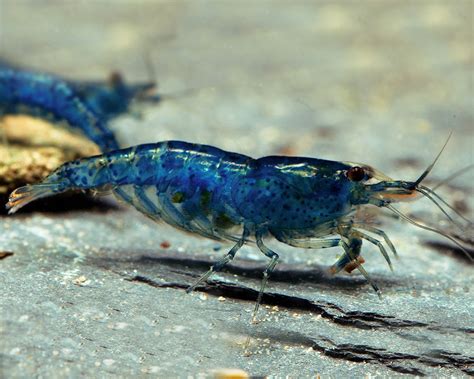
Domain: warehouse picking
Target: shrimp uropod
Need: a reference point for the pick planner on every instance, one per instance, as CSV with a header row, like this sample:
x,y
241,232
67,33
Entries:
x,y
302,202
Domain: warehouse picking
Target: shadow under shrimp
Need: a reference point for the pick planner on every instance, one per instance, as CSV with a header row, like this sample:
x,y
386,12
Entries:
x,y
163,265
327,310
68,203
452,251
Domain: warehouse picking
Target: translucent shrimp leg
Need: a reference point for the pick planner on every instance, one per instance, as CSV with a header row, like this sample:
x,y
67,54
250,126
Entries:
x,y
352,249
380,233
266,274
377,243
220,264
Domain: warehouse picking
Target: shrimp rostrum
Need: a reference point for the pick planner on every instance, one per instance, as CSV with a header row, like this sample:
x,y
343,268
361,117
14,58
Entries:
x,y
302,202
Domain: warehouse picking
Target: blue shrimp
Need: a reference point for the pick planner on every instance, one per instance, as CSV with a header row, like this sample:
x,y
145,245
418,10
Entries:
x,y
37,94
302,202
110,98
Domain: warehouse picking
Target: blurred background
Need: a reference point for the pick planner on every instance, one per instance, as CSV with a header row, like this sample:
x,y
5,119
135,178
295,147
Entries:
x,y
342,80
378,82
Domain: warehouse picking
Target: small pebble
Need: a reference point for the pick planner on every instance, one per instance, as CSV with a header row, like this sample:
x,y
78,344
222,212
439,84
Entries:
x,y
81,280
230,373
165,245
108,362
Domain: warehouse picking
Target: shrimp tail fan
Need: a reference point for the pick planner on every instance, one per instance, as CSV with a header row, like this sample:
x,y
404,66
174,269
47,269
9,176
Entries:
x,y
27,194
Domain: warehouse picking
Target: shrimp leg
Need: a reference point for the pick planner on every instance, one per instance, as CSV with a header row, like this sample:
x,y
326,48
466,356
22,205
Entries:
x,y
380,233
266,274
352,249
377,243
220,264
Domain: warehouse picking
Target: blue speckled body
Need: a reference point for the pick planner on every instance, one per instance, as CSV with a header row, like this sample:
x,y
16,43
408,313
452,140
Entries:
x,y
37,94
208,191
302,202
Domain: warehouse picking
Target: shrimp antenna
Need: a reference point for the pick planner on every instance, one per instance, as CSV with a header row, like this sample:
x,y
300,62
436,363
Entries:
x,y
453,176
438,205
152,76
431,191
430,167
426,227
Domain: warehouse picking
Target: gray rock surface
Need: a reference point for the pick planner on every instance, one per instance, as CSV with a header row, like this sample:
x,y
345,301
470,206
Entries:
x,y
94,291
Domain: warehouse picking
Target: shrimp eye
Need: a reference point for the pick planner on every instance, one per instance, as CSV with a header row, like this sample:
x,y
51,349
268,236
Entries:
x,y
356,174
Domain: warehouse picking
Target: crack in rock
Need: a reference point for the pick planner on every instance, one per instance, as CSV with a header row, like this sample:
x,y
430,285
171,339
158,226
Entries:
x,y
330,311
399,362
402,363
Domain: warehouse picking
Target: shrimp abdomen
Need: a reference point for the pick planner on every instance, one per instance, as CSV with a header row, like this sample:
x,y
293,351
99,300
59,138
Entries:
x,y
188,186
